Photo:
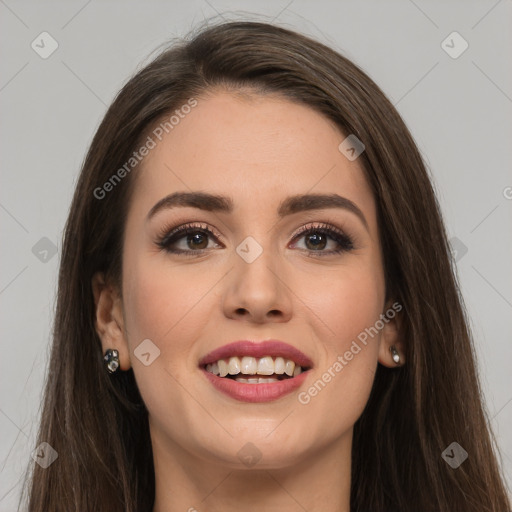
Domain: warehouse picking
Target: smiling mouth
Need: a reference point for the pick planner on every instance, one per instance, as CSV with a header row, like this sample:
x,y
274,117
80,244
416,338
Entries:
x,y
252,370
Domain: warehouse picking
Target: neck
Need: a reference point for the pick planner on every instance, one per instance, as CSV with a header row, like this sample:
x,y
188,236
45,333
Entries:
x,y
319,482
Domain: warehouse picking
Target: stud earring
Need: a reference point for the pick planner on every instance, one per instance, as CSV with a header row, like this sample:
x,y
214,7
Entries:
x,y
111,359
394,354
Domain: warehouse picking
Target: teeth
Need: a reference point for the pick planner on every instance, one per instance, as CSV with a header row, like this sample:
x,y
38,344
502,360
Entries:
x,y
234,366
279,366
247,365
266,366
255,381
223,367
289,367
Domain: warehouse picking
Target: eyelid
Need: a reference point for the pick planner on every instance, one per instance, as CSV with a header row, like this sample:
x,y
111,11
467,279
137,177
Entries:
x,y
167,232
312,225
342,237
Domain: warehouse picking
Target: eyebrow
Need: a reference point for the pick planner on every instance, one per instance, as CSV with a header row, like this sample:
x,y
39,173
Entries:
x,y
224,204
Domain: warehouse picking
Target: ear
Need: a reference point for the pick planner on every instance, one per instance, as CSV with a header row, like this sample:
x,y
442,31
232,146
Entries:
x,y
109,322
391,336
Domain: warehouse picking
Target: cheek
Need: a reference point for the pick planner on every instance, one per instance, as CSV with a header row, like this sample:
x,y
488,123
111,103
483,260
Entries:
x,y
151,302
162,303
349,306
347,302
161,307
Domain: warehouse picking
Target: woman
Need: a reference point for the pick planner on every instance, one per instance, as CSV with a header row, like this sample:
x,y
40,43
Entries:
x,y
257,308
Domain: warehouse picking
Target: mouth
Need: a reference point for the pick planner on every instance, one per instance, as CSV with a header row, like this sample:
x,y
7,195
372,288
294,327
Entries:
x,y
256,372
252,370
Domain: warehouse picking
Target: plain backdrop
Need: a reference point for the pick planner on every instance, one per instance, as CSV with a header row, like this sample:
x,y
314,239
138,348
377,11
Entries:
x,y
457,102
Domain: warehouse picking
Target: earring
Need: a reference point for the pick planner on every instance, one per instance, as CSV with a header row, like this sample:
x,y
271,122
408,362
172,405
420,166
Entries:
x,y
111,359
394,354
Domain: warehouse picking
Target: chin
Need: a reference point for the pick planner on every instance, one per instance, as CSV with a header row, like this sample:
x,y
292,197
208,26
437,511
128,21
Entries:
x,y
254,448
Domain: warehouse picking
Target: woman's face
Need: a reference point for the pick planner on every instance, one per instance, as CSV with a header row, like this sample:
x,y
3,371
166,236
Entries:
x,y
247,272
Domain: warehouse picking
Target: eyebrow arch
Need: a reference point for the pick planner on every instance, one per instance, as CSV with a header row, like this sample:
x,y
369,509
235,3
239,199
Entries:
x,y
224,204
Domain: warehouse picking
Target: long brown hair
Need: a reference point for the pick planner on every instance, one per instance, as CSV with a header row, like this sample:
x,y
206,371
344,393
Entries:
x,y
98,423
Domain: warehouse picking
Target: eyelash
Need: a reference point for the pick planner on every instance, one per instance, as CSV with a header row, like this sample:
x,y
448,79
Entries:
x,y
168,236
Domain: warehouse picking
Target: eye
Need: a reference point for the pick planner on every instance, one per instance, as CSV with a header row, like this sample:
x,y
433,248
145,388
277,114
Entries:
x,y
188,239
316,239
192,239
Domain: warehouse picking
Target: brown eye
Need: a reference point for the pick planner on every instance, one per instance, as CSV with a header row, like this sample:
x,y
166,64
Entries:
x,y
188,239
198,240
192,240
317,239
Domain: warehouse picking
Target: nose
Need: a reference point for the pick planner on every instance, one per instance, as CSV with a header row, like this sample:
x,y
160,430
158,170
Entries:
x,y
258,291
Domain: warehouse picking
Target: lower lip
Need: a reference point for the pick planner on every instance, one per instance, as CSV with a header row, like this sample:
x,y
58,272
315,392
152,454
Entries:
x,y
266,392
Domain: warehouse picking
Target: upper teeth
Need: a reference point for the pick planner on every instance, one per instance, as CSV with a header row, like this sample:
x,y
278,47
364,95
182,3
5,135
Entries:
x,y
252,366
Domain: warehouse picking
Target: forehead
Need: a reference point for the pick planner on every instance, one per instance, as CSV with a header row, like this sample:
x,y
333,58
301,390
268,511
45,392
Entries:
x,y
257,149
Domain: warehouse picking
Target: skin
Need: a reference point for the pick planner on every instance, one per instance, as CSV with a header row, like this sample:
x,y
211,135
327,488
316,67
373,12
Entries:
x,y
257,150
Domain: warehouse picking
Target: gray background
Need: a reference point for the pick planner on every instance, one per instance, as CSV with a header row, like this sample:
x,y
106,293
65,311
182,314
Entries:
x,y
458,110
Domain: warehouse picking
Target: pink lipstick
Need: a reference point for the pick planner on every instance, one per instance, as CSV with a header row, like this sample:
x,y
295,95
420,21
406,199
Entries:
x,y
256,371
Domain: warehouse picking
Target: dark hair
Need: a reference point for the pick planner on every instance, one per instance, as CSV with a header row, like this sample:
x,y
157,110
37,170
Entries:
x,y
98,423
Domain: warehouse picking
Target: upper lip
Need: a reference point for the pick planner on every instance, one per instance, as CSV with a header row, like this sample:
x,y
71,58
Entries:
x,y
257,349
